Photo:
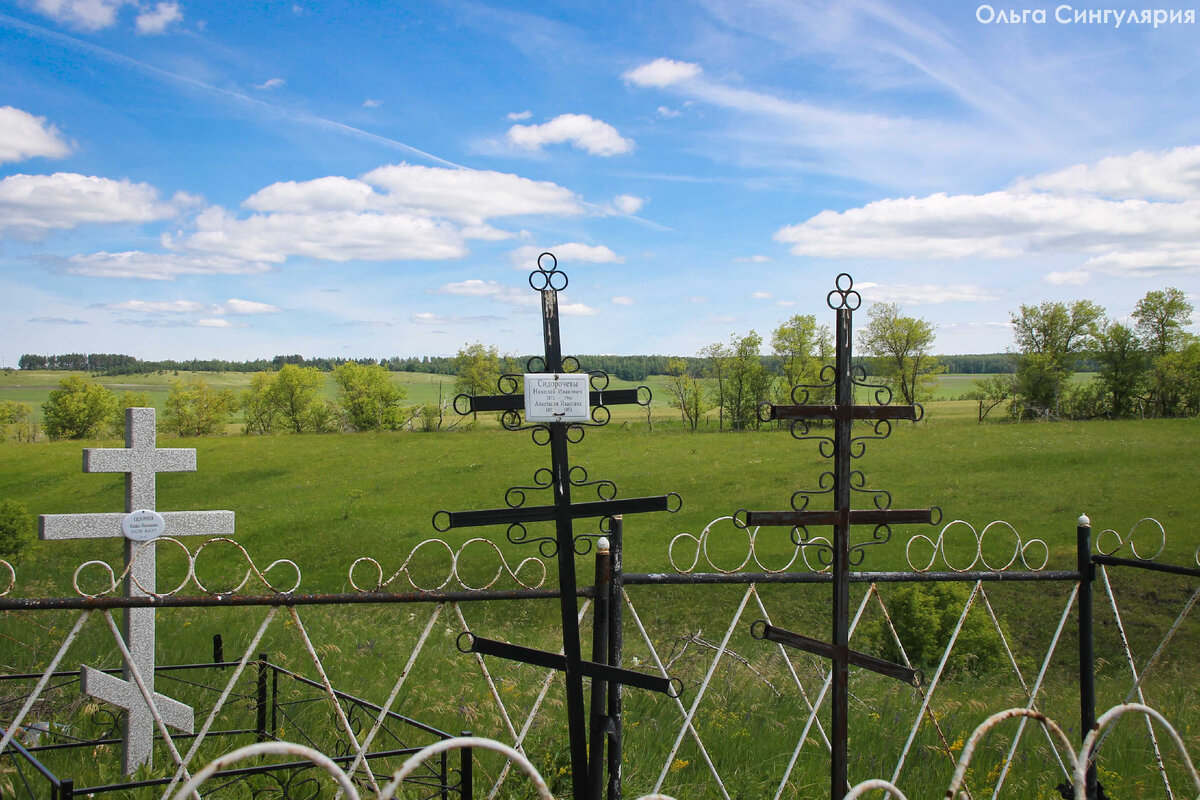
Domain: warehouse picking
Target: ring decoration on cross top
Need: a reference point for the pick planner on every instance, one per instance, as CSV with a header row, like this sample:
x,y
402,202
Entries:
x,y
974,541
12,578
1105,536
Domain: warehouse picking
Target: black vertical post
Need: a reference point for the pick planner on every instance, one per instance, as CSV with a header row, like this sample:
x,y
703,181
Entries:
x,y
445,776
1087,655
66,790
616,642
564,534
843,389
600,656
218,650
260,705
274,701
466,771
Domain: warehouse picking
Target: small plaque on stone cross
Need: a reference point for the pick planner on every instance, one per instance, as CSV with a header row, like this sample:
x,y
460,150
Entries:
x,y
142,526
556,397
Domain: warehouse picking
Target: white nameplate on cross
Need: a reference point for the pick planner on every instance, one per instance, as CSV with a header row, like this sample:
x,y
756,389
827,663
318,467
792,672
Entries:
x,y
556,397
141,461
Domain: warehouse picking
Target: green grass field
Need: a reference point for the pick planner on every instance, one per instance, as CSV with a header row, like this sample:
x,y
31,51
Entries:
x,y
325,500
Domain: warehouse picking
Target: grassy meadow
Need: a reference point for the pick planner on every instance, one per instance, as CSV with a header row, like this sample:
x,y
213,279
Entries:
x,y
324,500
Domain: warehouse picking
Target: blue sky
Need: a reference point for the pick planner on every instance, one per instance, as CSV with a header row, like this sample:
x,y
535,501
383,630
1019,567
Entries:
x,y
240,180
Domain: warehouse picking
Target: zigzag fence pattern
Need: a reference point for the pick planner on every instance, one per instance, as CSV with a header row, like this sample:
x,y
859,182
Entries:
x,y
750,723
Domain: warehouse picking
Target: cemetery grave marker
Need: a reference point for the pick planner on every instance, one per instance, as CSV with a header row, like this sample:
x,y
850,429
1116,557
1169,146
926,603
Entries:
x,y
139,526
558,399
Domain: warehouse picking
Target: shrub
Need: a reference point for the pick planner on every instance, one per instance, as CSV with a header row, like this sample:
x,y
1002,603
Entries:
x,y
16,530
925,616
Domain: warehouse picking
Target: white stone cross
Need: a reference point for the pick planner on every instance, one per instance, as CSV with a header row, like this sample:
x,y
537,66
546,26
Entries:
x,y
141,461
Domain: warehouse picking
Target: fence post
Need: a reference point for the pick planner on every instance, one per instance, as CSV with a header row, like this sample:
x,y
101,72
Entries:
x,y
260,705
218,651
466,771
1087,656
616,641
66,790
599,655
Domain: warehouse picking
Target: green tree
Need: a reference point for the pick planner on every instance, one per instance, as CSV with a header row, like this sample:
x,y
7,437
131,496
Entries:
x,y
747,381
802,348
1175,382
258,404
1160,318
991,392
128,399
294,395
476,370
368,398
686,392
902,345
77,409
1123,366
16,421
194,408
716,369
1050,338
16,530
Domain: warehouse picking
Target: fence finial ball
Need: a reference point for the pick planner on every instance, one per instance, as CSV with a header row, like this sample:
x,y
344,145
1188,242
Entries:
x,y
1084,521
602,544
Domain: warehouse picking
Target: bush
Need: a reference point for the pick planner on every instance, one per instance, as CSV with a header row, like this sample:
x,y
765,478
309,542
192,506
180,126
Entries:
x,y
925,616
77,409
16,530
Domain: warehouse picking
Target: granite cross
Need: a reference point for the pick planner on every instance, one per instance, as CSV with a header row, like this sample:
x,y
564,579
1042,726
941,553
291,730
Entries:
x,y
141,461
556,401
843,300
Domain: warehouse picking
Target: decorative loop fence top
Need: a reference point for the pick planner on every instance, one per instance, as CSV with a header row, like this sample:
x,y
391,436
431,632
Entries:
x,y
1131,540
975,542
12,578
452,574
111,582
701,544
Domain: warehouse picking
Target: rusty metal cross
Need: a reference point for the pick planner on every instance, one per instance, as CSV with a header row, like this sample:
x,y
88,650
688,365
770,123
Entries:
x,y
843,412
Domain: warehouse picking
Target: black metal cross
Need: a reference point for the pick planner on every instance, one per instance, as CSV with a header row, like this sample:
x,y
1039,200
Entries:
x,y
559,424
842,448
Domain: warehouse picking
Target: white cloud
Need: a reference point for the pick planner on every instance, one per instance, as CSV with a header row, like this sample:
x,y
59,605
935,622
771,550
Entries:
x,y
668,113
330,236
526,256
156,266
517,116
626,204
576,310
470,196
622,300
427,318
235,306
22,136
756,259
156,20
271,83
761,295
157,307
370,103
585,133
930,294
697,299
216,323
88,15
332,193
518,296
36,203
661,72
1074,277
1162,175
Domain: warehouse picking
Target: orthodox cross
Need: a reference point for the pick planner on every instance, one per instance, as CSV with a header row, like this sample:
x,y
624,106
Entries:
x,y
842,448
141,461
559,401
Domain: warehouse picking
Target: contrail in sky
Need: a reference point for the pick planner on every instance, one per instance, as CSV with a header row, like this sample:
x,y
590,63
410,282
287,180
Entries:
x,y
167,76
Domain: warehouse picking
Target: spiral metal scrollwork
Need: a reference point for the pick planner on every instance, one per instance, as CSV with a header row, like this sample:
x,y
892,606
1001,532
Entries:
x,y
975,544
452,574
681,565
1131,539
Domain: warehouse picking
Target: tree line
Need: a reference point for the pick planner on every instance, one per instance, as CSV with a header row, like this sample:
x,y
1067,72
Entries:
x,y
1146,366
